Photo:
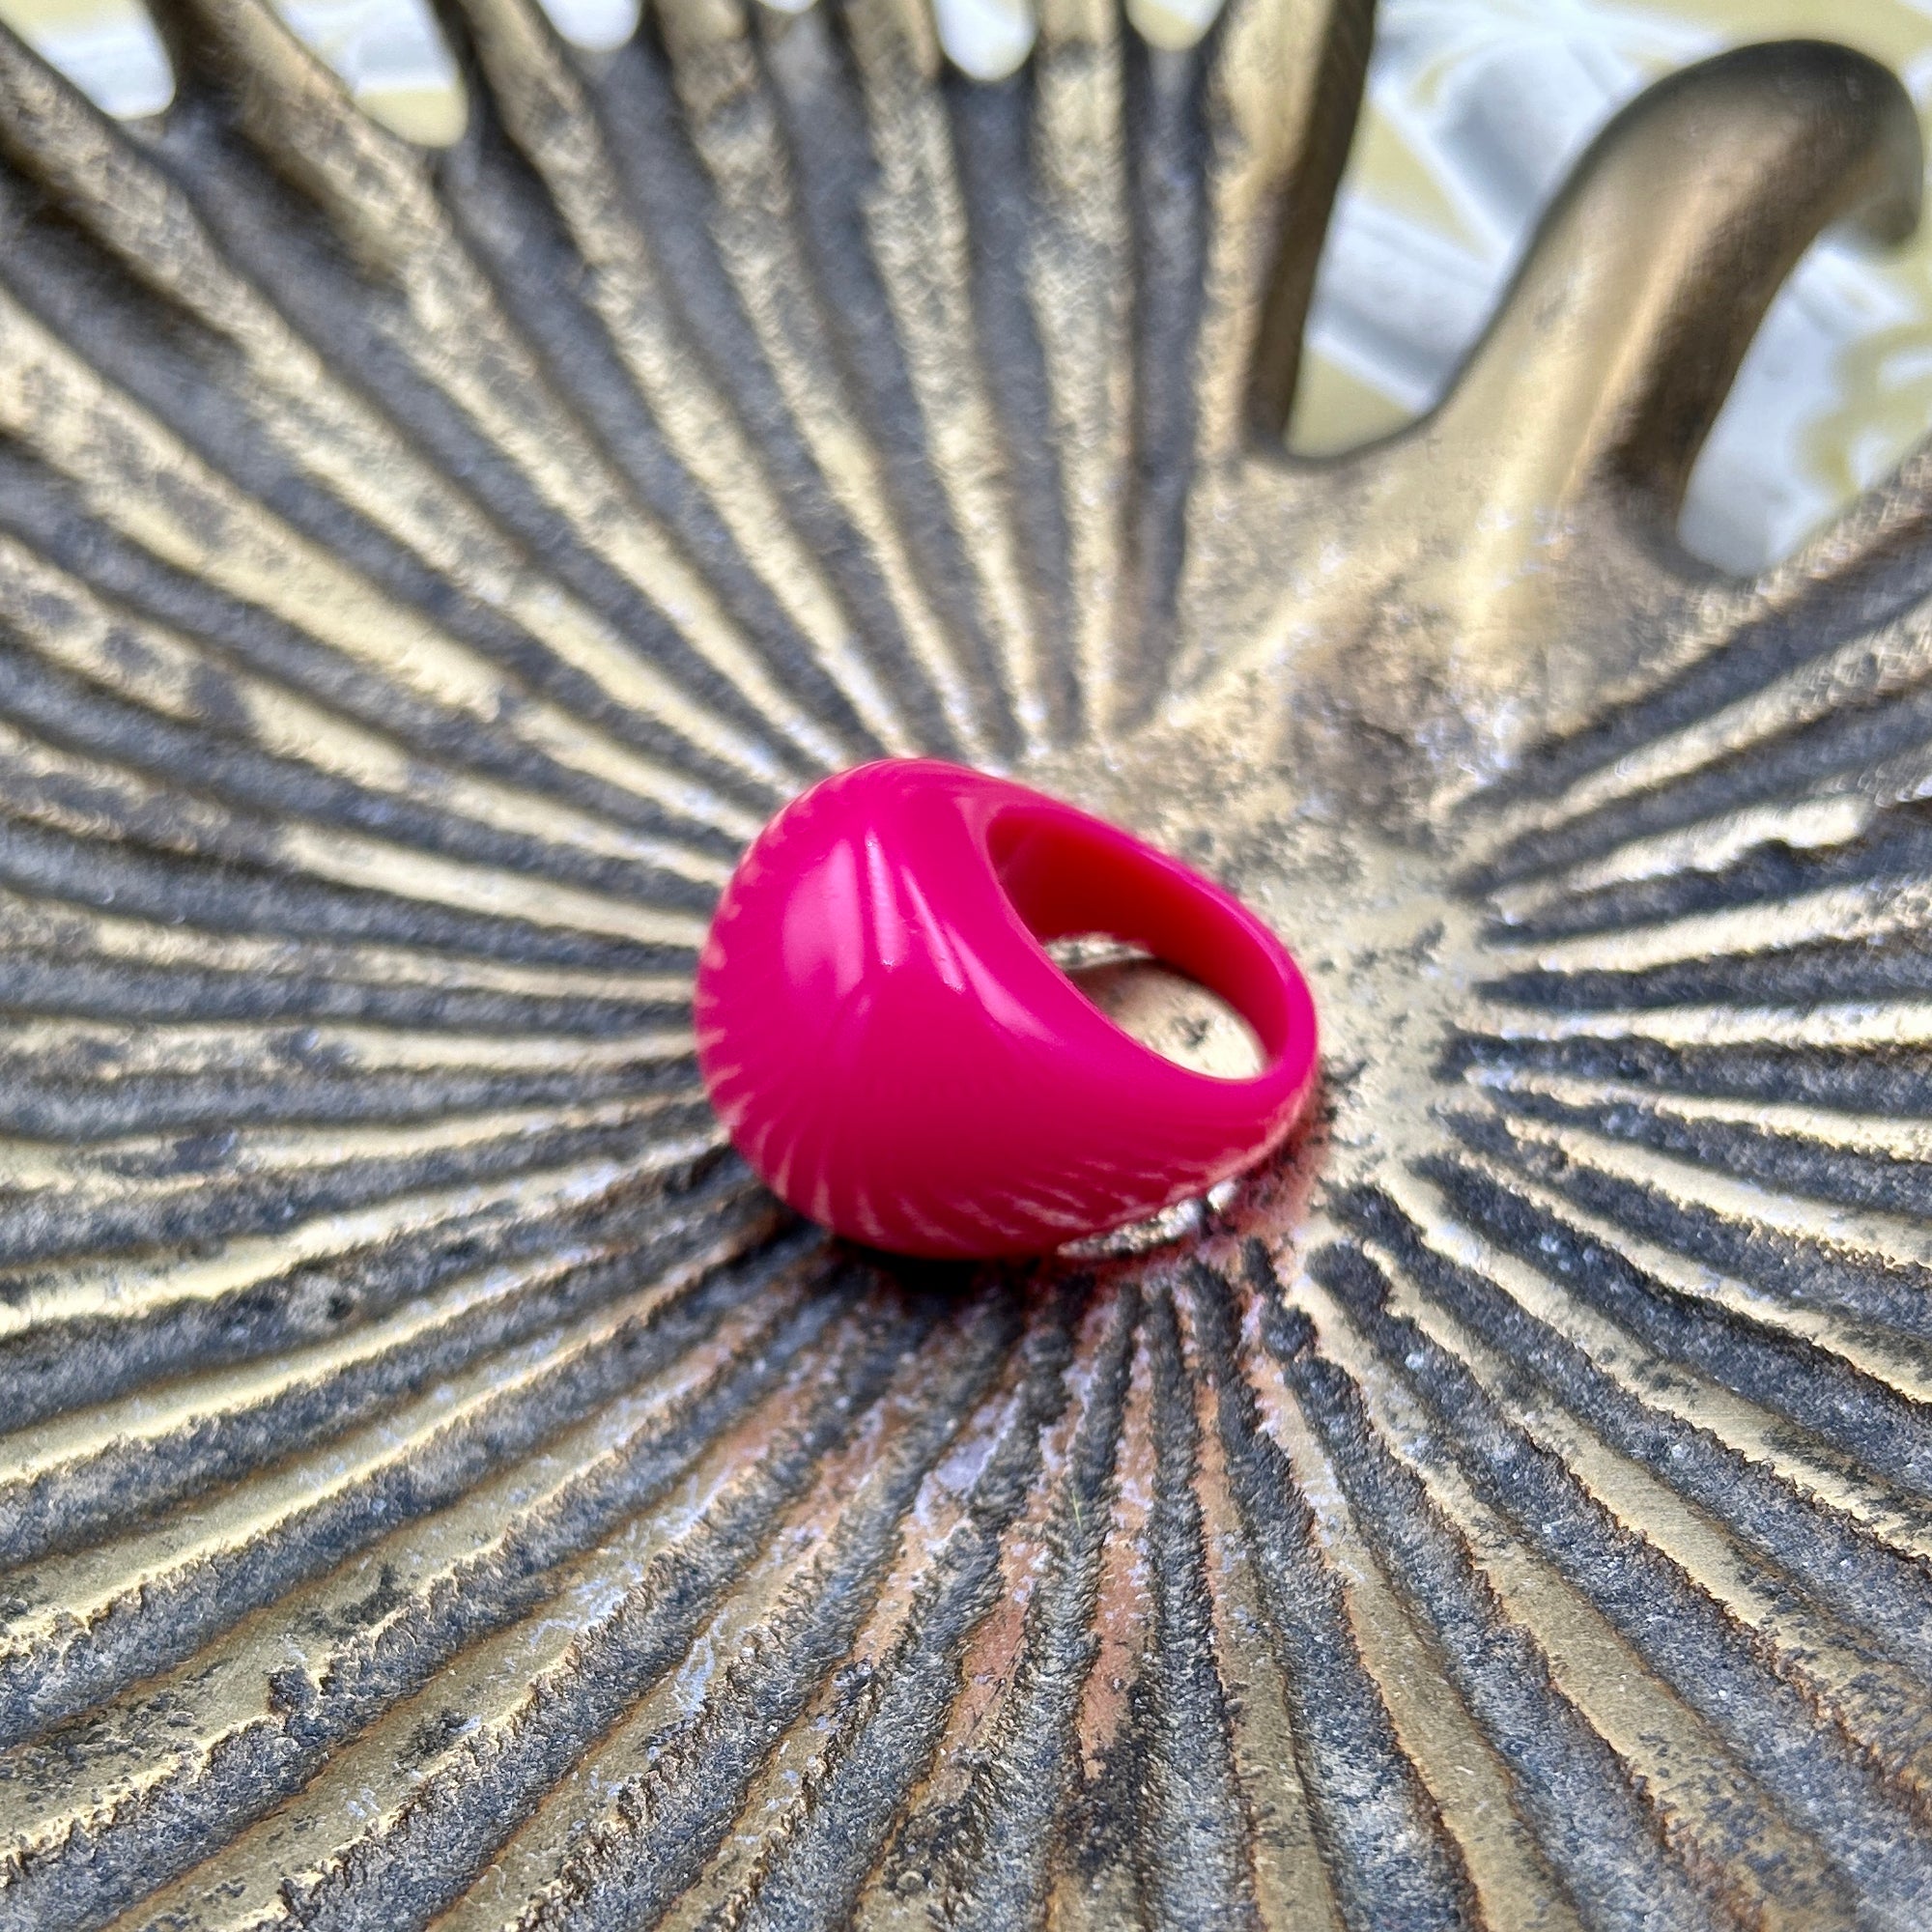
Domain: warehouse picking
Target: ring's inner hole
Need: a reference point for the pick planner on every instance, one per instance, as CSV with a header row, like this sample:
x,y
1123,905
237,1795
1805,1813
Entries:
x,y
1164,1009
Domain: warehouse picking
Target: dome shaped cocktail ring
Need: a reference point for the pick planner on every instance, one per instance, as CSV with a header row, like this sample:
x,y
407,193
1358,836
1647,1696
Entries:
x,y
892,1047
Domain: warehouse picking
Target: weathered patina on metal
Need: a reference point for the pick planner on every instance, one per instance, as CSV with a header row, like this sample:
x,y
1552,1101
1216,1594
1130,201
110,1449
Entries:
x,y
434,1484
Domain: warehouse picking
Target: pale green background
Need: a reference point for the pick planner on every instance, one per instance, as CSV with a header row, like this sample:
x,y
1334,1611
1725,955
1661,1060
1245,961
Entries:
x,y
1476,109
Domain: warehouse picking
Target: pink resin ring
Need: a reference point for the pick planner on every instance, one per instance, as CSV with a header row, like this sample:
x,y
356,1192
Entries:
x,y
890,1045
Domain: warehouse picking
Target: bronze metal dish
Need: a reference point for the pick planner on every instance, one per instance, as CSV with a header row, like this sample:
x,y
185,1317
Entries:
x,y
435,1483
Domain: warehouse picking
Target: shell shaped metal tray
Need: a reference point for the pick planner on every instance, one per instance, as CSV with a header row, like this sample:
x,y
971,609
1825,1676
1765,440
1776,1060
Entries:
x,y
435,1483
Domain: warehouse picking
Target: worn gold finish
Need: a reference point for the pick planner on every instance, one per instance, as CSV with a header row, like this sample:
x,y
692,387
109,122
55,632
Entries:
x,y
436,1485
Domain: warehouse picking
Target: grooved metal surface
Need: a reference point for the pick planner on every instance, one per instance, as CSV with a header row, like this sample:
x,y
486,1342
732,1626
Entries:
x,y
437,1485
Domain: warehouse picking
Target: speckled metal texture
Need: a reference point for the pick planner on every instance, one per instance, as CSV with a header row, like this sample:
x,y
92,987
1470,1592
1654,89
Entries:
x,y
437,1485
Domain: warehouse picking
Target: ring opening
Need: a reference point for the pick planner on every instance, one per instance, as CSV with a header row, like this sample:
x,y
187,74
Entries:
x,y
1165,1010
1158,951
